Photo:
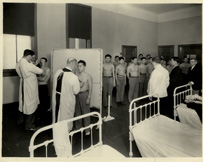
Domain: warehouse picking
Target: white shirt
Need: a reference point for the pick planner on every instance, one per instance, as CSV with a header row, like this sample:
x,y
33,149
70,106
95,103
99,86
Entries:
x,y
158,83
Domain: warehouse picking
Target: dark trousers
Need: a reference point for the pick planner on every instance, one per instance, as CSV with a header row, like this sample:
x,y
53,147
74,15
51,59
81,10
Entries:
x,y
163,106
82,108
44,103
28,120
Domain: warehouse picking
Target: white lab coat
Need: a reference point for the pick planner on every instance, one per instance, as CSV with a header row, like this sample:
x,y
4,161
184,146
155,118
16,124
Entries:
x,y
27,72
69,88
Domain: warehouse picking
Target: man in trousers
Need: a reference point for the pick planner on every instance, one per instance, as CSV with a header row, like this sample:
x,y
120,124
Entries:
x,y
65,86
28,90
133,76
120,81
84,96
108,80
143,77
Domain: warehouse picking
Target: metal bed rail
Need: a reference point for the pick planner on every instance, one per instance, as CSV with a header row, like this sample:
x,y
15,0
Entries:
x,y
178,97
32,147
133,108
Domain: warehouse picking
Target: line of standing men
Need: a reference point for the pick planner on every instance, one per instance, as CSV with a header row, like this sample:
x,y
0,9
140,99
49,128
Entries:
x,y
114,74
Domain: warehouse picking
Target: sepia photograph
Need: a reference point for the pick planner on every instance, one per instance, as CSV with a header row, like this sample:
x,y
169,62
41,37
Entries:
x,y
101,80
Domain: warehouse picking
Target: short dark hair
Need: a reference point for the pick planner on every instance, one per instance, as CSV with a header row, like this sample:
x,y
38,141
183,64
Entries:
x,y
121,58
176,59
150,57
143,58
148,54
193,59
116,56
107,55
28,52
82,62
140,54
44,58
132,58
156,59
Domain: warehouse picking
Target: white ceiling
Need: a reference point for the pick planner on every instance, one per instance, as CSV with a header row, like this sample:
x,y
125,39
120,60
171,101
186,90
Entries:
x,y
162,8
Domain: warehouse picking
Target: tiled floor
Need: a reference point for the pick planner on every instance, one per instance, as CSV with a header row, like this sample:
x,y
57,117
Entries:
x,y
16,140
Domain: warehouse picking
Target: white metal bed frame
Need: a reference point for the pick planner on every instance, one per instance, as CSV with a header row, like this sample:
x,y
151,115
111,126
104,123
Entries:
x,y
32,147
134,109
179,96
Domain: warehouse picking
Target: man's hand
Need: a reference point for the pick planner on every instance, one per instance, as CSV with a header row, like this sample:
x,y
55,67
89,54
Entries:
x,y
88,101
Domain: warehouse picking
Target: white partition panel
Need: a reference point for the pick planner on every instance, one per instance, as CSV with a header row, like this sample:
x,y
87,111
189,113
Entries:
x,y
94,60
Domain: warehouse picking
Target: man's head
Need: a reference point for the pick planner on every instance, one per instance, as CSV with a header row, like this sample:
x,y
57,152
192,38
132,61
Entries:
x,y
175,61
72,63
116,58
43,61
29,55
150,59
156,60
81,66
135,60
140,55
108,58
143,60
185,60
193,61
121,60
148,56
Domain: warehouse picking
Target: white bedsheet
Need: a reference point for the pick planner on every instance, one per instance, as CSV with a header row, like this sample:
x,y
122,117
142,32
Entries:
x,y
103,151
164,137
188,116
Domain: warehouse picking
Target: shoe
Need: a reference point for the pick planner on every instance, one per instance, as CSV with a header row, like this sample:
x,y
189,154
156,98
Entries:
x,y
122,103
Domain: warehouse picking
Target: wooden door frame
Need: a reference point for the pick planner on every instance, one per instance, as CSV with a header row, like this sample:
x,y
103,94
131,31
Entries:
x,y
183,45
166,46
124,46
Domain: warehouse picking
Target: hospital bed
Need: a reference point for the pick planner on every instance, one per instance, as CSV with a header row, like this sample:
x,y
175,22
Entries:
x,y
95,150
159,136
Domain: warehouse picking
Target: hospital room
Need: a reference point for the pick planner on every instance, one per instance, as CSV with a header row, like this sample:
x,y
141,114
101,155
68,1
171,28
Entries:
x,y
101,80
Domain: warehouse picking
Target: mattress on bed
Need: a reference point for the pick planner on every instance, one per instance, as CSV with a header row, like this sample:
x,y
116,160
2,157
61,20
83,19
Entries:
x,y
164,137
103,151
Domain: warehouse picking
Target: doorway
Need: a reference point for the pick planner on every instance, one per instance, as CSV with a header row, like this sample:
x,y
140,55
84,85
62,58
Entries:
x,y
128,52
190,51
166,51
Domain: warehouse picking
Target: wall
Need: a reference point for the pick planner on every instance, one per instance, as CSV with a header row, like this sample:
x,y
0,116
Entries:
x,y
183,31
51,28
110,31
10,89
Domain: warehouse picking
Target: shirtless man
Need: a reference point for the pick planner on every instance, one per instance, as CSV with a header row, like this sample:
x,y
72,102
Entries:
x,y
108,79
143,78
84,96
120,81
133,76
139,60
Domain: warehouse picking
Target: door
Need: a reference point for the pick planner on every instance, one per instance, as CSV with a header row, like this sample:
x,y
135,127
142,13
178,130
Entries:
x,y
166,51
190,51
128,52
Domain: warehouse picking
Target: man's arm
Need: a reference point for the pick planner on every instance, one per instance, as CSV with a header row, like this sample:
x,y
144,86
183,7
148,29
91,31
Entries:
x,y
46,76
35,69
76,85
116,75
114,83
90,90
128,71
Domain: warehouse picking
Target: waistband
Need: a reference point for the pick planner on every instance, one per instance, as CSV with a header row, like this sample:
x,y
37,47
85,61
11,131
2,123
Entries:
x,y
120,76
83,92
142,73
134,77
107,76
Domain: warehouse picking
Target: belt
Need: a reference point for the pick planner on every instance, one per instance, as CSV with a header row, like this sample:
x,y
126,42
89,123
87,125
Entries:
x,y
83,92
134,77
107,76
142,73
120,75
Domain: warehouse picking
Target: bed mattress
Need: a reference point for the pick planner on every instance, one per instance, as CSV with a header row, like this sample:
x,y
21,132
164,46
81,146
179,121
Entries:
x,y
163,137
103,151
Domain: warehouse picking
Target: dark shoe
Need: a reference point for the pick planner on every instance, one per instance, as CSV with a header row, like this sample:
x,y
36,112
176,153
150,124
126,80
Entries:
x,y
122,103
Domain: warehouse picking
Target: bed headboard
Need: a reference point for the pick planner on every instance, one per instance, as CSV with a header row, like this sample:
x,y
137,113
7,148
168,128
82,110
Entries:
x,y
142,108
179,96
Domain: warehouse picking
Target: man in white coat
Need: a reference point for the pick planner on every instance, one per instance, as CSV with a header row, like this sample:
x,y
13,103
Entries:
x,y
65,86
28,90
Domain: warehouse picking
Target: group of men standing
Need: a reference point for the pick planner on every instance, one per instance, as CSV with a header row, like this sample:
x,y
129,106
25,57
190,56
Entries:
x,y
116,74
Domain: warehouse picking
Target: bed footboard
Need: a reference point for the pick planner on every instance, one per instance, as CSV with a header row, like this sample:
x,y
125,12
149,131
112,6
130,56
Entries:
x,y
139,112
98,124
